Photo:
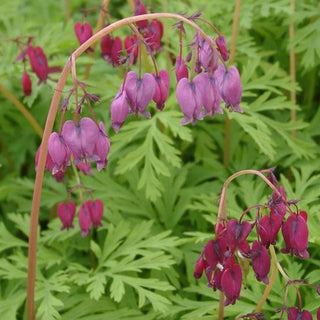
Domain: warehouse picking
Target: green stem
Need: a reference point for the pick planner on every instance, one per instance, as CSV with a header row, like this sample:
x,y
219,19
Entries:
x,y
235,26
29,117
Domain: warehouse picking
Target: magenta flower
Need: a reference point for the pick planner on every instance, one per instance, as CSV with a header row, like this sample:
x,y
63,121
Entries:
x,y
140,92
211,95
85,168
207,57
101,148
190,98
222,47
26,83
131,45
295,234
95,209
84,219
200,267
139,8
236,235
153,35
181,69
119,110
268,228
162,88
66,212
318,314
260,261
231,283
214,251
216,281
83,31
59,152
231,89
38,61
81,139
295,314
111,49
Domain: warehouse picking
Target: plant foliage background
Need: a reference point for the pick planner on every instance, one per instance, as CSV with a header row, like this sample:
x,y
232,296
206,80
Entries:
x,y
162,183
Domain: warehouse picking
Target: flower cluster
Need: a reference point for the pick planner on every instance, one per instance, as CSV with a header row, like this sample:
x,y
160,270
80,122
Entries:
x,y
83,142
90,215
221,258
39,66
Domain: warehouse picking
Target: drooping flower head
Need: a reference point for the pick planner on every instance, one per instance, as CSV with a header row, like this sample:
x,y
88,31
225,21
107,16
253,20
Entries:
x,y
66,212
38,61
268,228
162,88
140,92
190,98
58,151
260,261
95,211
119,110
83,31
295,314
231,89
84,219
295,233
26,83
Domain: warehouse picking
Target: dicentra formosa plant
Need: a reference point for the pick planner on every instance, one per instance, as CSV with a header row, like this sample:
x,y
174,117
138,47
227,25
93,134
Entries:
x,y
223,257
200,90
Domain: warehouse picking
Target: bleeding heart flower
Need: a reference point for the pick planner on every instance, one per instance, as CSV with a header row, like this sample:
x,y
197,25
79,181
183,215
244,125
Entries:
x,y
295,314
260,261
162,88
119,110
84,219
181,69
66,212
222,47
83,31
96,211
26,83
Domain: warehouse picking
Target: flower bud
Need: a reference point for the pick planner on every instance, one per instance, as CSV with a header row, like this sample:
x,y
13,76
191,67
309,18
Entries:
x,y
83,31
222,47
200,266
84,219
101,148
96,211
139,8
38,61
260,261
181,69
119,110
66,212
26,83
231,89
295,314
139,92
162,88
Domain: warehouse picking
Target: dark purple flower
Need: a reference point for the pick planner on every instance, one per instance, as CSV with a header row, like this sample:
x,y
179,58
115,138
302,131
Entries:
x,y
231,283
140,8
199,267
211,95
139,92
131,45
66,212
83,31
101,148
318,314
236,235
260,261
26,83
119,110
162,88
216,280
84,219
231,89
222,47
111,49
38,61
268,228
181,69
59,152
295,314
95,209
295,234
190,98
153,35
214,251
